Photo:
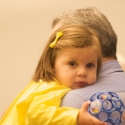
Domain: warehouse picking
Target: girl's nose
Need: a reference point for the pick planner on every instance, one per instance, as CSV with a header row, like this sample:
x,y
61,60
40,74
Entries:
x,y
82,72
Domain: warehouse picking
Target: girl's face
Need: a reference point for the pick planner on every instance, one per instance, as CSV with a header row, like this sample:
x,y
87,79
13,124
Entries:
x,y
76,67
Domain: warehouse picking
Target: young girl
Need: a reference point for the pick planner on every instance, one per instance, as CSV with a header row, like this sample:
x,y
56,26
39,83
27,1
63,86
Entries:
x,y
70,60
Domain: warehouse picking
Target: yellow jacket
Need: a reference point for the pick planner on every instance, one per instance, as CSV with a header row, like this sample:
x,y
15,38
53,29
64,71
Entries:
x,y
39,104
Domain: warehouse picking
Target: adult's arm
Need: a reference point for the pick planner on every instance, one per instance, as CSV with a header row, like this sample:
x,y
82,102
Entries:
x,y
72,99
75,98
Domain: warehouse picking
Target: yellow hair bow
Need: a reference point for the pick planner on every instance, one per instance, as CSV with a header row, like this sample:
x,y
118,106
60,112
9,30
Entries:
x,y
58,35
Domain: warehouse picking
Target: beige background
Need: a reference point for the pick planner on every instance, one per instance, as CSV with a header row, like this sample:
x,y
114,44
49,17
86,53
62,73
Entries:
x,y
25,26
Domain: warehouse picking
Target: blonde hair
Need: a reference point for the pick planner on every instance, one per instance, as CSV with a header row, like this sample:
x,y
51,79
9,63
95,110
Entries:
x,y
74,36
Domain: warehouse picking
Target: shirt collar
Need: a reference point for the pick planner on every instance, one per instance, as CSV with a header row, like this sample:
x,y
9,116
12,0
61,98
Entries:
x,y
109,67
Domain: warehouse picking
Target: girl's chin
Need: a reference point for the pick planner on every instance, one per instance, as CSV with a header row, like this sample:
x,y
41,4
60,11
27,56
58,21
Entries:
x,y
77,87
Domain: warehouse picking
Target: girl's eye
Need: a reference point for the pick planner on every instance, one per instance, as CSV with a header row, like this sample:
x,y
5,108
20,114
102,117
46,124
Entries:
x,y
72,63
90,65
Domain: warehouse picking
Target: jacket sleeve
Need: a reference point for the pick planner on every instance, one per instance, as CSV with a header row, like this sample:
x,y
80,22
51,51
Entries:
x,y
46,110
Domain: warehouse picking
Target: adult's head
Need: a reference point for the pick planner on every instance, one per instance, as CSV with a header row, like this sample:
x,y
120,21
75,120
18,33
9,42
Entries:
x,y
74,38
93,18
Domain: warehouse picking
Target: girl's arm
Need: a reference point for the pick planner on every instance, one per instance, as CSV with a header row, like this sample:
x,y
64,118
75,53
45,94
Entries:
x,y
47,111
50,113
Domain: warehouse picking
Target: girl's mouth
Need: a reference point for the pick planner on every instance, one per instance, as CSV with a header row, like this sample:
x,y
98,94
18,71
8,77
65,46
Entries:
x,y
80,84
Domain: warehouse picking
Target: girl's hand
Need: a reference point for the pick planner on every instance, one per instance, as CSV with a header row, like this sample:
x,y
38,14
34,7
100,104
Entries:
x,y
85,118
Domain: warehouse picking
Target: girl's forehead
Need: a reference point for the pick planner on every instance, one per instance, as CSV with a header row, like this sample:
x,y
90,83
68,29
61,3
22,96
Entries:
x,y
78,53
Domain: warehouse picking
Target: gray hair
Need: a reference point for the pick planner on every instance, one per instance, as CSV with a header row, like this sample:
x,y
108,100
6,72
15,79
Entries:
x,y
93,18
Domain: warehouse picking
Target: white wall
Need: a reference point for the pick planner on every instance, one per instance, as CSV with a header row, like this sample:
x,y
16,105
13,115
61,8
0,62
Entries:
x,y
25,26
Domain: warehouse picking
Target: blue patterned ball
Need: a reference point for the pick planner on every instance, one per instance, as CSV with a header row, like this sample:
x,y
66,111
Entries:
x,y
107,107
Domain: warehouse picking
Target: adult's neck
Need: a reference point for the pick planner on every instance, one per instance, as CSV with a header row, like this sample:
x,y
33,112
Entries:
x,y
106,59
